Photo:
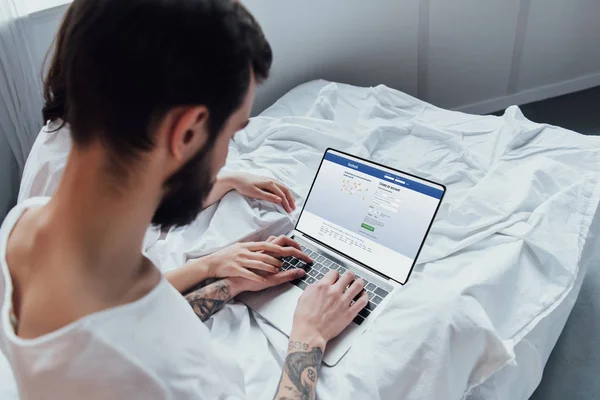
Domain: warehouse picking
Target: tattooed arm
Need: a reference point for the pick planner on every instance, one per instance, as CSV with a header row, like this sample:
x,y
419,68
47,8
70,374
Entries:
x,y
323,311
300,370
209,299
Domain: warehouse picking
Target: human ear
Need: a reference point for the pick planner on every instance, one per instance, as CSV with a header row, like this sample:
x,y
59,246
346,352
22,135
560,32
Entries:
x,y
189,133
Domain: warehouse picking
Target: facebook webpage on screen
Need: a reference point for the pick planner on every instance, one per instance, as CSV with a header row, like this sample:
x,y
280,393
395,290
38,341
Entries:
x,y
374,216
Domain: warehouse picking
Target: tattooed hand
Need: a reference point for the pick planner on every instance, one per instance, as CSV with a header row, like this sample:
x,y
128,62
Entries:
x,y
297,346
247,285
323,311
326,308
209,299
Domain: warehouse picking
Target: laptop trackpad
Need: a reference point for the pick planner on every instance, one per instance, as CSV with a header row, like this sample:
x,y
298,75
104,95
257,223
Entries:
x,y
278,305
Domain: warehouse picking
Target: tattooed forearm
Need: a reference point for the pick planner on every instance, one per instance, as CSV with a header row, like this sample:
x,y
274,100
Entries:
x,y
299,377
209,299
292,345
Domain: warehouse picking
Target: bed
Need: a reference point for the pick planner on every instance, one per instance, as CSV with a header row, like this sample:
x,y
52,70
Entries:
x,y
497,277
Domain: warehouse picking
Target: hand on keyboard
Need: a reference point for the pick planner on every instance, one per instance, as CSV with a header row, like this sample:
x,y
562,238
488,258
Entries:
x,y
289,247
328,306
251,260
316,271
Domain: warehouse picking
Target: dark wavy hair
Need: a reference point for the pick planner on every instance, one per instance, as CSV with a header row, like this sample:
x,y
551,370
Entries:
x,y
120,65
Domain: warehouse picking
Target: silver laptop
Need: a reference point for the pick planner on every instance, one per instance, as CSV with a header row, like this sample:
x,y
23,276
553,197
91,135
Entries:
x,y
358,216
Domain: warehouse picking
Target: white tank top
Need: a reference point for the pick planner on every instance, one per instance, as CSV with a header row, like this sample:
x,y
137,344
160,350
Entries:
x,y
153,348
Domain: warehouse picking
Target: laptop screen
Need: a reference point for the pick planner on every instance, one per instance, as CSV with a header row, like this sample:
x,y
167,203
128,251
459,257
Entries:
x,y
372,214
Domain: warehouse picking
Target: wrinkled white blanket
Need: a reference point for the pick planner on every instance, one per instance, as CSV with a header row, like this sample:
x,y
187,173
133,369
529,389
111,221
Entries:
x,y
502,257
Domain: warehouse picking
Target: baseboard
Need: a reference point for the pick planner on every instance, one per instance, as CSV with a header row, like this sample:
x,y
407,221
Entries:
x,y
530,95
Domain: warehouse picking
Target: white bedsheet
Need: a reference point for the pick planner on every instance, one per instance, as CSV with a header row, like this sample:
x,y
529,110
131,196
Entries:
x,y
498,273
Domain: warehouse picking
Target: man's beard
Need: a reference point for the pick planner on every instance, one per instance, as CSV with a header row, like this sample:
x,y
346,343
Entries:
x,y
186,191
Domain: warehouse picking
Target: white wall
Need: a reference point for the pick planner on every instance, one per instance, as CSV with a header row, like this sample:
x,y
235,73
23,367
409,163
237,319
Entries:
x,y
561,42
469,51
362,42
462,54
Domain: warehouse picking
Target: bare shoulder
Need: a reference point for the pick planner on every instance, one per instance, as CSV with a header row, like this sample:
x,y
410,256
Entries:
x,y
21,239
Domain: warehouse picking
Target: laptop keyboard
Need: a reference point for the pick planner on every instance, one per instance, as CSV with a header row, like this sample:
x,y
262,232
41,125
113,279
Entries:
x,y
322,265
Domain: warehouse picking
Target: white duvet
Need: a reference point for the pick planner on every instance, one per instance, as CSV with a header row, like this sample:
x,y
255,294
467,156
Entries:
x,y
498,273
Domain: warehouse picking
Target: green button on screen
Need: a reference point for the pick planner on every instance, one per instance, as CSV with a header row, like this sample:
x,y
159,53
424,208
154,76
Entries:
x,y
368,227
